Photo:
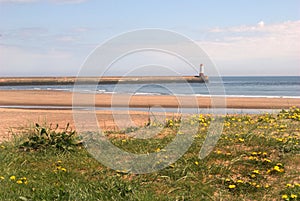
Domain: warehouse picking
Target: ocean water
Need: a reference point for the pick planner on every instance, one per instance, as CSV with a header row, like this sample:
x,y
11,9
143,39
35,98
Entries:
x,y
283,86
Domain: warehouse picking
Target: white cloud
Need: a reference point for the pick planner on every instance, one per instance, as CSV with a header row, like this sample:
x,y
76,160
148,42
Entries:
x,y
251,42
260,49
67,39
274,45
261,24
18,61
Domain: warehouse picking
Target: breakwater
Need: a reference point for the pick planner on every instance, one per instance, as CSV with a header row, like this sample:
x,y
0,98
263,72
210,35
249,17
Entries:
x,y
18,81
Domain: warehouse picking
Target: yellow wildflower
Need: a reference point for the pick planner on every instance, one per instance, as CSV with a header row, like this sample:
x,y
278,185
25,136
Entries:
x,y
19,182
277,168
288,185
63,169
284,196
218,152
256,171
196,163
12,177
267,160
241,140
231,186
279,139
293,196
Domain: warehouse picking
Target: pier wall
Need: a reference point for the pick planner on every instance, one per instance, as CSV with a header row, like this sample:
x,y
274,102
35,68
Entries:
x,y
18,81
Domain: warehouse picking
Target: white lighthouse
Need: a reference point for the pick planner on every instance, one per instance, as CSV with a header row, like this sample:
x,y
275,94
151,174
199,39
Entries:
x,y
201,74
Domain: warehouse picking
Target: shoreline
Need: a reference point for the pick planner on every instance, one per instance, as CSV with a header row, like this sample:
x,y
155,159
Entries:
x,y
153,94
49,98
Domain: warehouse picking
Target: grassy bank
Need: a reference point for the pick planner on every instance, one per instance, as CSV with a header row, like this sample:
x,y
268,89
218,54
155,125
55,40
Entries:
x,y
256,158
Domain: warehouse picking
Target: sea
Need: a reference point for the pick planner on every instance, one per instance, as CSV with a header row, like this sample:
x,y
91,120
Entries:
x,y
268,86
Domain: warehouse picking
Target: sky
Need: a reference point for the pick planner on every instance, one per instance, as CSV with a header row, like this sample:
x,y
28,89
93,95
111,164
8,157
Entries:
x,y
242,37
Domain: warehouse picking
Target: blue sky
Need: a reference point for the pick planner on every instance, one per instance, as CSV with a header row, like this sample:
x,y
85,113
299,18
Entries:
x,y
53,37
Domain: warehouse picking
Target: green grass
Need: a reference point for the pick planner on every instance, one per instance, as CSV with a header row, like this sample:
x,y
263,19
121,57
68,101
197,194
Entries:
x,y
256,158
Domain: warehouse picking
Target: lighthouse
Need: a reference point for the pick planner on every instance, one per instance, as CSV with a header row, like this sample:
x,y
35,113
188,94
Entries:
x,y
201,73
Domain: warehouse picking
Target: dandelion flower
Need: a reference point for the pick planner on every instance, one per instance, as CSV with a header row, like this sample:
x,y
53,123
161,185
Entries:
x,y
267,160
219,152
293,196
19,182
277,168
12,177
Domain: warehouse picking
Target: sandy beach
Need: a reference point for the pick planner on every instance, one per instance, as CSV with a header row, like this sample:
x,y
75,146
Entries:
x,y
61,98
12,119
